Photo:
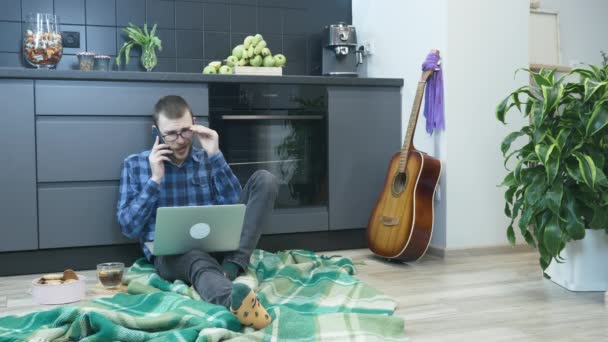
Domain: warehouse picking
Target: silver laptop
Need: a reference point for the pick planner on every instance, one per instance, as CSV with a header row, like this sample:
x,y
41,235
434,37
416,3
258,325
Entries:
x,y
213,228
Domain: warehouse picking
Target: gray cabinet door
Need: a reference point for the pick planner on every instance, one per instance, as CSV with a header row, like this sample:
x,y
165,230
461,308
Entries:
x,y
81,215
77,148
18,229
114,98
364,131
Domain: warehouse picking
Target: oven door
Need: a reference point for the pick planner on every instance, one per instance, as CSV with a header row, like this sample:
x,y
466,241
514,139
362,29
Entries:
x,y
292,145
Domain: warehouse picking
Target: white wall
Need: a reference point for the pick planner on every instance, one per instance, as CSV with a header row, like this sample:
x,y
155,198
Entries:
x,y
403,33
394,27
487,42
583,29
482,44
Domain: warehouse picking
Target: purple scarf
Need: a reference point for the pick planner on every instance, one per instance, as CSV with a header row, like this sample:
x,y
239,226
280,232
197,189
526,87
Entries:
x,y
433,100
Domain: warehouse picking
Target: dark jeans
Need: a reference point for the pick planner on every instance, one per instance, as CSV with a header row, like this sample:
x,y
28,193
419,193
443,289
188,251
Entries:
x,y
203,270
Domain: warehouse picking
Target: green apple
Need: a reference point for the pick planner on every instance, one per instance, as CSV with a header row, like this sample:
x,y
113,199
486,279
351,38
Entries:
x,y
250,52
225,70
216,64
257,39
247,42
268,61
266,52
231,61
256,61
209,70
261,45
243,62
238,51
279,60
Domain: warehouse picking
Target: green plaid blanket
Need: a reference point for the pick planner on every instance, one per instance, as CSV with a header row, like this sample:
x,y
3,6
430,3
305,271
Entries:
x,y
310,297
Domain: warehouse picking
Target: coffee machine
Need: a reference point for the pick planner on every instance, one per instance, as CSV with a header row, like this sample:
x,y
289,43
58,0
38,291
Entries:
x,y
341,57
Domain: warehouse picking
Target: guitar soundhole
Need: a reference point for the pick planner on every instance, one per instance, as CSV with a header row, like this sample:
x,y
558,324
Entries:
x,y
398,183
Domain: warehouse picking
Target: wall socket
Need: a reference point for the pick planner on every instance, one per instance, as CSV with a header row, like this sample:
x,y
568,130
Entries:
x,y
368,48
70,39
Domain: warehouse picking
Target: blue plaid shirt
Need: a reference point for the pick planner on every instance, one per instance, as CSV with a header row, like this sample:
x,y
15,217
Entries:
x,y
200,180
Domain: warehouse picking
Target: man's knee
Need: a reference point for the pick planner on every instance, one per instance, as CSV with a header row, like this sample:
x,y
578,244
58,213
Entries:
x,y
266,181
197,254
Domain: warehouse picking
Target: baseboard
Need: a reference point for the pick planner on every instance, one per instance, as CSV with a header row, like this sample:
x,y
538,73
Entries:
x,y
478,251
57,260
315,241
87,258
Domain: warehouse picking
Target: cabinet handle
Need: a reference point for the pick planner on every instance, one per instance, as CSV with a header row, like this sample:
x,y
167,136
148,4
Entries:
x,y
272,117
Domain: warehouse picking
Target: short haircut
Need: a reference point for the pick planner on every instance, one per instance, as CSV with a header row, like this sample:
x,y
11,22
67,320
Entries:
x,y
171,107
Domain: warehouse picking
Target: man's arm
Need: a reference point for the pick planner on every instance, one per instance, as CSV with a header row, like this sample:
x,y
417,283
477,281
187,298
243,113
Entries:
x,y
136,202
227,189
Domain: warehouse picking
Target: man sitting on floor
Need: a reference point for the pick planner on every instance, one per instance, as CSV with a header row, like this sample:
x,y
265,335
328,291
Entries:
x,y
195,177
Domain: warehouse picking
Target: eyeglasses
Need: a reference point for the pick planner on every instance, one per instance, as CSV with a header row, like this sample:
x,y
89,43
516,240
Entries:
x,y
171,137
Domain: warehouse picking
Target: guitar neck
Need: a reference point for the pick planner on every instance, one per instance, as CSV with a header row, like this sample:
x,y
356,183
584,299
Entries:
x,y
411,127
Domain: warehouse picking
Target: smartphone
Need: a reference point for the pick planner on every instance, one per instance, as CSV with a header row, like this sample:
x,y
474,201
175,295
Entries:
x,y
156,133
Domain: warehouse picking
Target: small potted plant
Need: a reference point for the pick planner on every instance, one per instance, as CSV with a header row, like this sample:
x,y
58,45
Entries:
x,y
148,41
558,188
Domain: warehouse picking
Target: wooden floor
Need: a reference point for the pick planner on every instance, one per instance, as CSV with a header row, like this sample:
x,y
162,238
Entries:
x,y
496,297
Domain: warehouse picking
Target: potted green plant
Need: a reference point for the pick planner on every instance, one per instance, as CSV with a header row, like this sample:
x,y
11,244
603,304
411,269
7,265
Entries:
x,y
557,187
148,41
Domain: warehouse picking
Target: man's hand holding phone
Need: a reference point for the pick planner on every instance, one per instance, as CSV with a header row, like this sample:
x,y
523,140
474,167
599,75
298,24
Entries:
x,y
157,156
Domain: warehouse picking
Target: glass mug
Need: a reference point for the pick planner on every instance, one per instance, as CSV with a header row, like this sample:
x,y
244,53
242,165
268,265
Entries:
x,y
110,274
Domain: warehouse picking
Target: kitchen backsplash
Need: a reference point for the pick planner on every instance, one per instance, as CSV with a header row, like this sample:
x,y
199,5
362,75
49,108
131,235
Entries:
x,y
193,32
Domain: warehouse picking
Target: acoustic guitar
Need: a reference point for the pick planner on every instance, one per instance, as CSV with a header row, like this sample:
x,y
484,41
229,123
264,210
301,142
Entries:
x,y
401,224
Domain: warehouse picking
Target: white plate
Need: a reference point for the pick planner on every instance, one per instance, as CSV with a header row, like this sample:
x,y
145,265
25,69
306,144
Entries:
x,y
59,293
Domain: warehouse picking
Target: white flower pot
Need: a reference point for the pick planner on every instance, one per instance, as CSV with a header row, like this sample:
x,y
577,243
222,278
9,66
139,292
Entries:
x,y
585,267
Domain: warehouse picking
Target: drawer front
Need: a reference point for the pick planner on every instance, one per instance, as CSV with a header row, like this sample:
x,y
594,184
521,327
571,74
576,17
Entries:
x,y
114,98
89,148
78,216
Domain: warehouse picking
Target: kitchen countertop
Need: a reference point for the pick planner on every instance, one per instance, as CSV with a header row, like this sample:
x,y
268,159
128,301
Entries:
x,y
42,74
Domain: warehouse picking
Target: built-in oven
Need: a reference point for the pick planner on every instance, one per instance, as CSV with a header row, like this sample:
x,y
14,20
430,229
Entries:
x,y
281,129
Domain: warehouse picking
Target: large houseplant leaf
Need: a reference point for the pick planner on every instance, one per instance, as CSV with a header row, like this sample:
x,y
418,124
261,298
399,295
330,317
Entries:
x,y
599,118
587,168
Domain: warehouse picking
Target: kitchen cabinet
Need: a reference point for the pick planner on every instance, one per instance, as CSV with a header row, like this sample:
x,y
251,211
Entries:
x,y
364,125
95,126
18,229
65,135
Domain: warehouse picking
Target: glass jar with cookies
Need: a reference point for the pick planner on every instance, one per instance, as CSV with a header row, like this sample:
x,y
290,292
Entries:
x,y
42,44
